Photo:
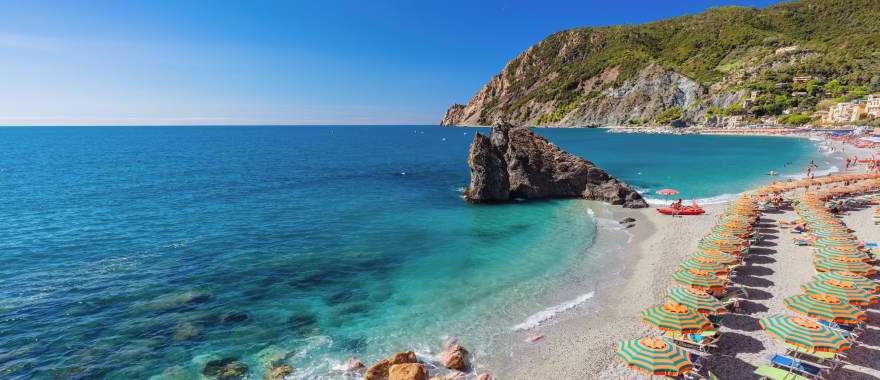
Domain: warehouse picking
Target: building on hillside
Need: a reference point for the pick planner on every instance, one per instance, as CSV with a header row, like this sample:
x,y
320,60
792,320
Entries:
x,y
801,78
872,105
735,121
847,112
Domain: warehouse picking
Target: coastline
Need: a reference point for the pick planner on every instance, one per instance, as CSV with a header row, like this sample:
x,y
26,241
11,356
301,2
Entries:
x,y
586,333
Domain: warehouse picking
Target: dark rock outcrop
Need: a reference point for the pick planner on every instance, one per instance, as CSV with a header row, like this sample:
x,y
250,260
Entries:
x,y
515,163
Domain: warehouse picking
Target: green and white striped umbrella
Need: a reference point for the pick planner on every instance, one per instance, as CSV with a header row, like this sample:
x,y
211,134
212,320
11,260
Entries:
x,y
695,299
676,318
698,279
824,307
831,264
855,278
804,333
841,289
654,356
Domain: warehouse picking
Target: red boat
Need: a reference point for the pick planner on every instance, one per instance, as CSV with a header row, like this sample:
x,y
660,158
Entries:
x,y
687,210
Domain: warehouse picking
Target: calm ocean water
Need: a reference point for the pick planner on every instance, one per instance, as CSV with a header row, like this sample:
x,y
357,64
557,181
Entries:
x,y
137,252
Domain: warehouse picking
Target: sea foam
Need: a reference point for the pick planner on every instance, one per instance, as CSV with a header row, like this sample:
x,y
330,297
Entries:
x,y
549,313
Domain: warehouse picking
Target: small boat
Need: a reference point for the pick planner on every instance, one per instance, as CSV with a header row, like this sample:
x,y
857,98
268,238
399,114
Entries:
x,y
687,210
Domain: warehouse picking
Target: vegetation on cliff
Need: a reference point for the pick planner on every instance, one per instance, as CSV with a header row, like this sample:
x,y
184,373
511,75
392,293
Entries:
x,y
834,42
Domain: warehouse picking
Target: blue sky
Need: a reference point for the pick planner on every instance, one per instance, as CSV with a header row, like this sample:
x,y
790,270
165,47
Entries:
x,y
274,62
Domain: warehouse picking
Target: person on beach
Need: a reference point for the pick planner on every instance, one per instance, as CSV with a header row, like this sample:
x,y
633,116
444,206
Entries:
x,y
677,204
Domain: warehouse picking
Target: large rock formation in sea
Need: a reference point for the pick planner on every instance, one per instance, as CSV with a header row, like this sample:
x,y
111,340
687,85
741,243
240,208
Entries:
x,y
685,70
514,162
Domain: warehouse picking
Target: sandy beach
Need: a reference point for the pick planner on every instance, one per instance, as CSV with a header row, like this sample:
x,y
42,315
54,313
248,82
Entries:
x,y
580,343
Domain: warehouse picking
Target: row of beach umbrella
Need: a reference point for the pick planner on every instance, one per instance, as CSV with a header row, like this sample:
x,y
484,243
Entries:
x,y
839,288
703,276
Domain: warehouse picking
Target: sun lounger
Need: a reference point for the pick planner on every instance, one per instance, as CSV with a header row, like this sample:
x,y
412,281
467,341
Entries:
x,y
789,363
802,242
773,373
696,341
824,358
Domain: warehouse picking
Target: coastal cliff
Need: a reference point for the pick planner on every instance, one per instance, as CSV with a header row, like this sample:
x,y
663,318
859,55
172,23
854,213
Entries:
x,y
515,163
685,70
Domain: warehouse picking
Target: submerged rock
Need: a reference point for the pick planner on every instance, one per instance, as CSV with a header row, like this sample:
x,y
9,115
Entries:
x,y
233,317
407,371
515,163
186,331
354,364
278,372
225,369
178,300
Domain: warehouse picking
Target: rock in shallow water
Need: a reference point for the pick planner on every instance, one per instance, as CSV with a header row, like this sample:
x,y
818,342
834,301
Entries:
x,y
455,357
380,370
278,372
407,371
225,369
515,163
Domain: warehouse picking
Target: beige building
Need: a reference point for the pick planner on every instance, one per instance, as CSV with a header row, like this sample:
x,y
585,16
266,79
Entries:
x,y
846,112
872,105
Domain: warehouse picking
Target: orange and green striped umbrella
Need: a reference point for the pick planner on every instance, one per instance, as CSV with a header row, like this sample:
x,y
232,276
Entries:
x,y
842,255
855,278
695,299
676,318
824,307
830,264
716,256
654,356
841,289
729,240
712,246
822,242
804,333
704,264
698,279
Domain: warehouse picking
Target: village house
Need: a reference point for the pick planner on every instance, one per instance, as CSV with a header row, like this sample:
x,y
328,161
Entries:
x,y
872,105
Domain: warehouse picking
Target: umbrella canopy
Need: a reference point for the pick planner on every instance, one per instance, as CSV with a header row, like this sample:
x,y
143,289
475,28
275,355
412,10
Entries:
x,y
725,239
823,242
698,279
676,318
695,299
716,256
654,356
841,289
829,264
703,264
714,246
824,307
804,333
667,192
855,278
850,256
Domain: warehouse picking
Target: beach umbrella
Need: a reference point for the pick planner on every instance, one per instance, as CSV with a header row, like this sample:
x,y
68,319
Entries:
x,y
822,242
803,333
667,192
698,279
730,240
829,264
675,317
857,279
695,299
729,249
718,257
841,289
654,356
824,307
704,265
851,256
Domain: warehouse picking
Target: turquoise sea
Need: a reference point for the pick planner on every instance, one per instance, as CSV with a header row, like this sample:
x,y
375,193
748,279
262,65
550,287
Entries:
x,y
131,252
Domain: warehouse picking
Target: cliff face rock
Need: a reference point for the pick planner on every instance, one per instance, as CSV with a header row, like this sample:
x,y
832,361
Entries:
x,y
653,90
514,162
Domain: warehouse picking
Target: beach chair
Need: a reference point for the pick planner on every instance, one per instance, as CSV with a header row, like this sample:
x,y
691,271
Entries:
x,y
789,363
825,358
703,341
802,242
773,373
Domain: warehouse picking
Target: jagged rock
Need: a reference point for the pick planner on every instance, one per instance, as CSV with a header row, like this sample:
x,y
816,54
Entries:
x,y
408,371
379,371
278,372
627,220
455,357
225,369
484,376
513,162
